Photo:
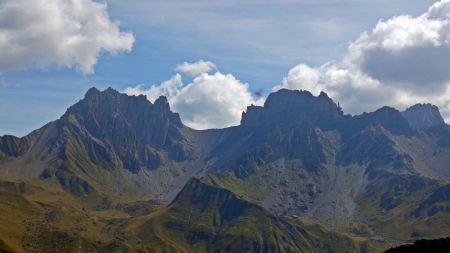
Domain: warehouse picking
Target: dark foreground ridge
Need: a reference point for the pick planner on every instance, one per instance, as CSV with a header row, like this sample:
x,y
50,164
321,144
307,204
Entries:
x,y
424,246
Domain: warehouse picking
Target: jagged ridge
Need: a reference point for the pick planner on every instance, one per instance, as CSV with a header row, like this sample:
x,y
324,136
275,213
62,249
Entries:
x,y
297,155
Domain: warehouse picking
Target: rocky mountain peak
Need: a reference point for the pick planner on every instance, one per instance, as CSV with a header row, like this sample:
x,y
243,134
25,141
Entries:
x,y
162,102
293,105
134,129
91,92
387,117
421,116
110,102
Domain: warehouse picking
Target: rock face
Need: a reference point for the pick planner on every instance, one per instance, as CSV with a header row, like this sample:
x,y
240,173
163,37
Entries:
x,y
107,142
423,116
297,155
136,130
286,106
12,146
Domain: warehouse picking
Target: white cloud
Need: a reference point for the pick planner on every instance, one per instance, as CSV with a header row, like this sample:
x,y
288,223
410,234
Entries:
x,y
302,77
402,61
213,101
169,88
63,33
411,52
209,101
196,68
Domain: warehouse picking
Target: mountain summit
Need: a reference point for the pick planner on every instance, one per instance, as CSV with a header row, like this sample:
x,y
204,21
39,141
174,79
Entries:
x,y
135,129
292,106
423,116
107,142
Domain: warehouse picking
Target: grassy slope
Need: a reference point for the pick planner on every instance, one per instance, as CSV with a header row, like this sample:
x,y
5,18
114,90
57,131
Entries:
x,y
39,218
396,208
208,219
408,207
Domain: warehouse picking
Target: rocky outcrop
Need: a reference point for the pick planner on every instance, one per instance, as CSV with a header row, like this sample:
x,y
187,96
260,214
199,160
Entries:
x,y
287,106
131,130
13,146
107,143
423,116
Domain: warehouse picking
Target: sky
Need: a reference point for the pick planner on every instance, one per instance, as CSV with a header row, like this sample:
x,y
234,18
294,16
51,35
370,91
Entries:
x,y
214,58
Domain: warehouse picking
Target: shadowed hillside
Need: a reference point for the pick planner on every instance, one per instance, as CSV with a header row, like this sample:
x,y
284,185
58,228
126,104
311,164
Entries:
x,y
204,218
432,246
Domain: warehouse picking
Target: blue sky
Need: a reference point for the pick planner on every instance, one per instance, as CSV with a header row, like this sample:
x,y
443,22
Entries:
x,y
257,41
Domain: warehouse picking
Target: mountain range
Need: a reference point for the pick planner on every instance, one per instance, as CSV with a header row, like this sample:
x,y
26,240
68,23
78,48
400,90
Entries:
x,y
118,173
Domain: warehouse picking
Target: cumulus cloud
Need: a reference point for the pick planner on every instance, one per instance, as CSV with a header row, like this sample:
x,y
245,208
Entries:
x,y
213,101
209,101
63,33
402,61
302,77
169,88
412,52
196,68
